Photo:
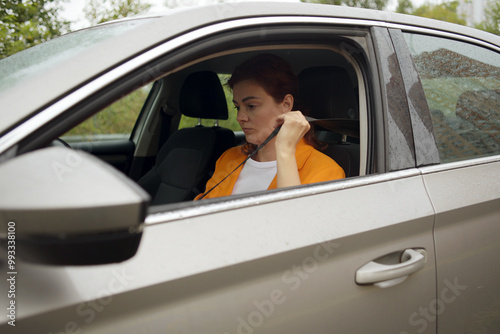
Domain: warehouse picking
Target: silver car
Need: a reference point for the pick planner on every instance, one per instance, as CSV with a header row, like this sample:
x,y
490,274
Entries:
x,y
108,133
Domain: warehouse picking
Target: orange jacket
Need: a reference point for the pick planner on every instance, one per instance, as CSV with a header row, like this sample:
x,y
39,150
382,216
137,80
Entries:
x,y
313,166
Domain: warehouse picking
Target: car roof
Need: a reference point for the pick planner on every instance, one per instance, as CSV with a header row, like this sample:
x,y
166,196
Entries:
x,y
27,97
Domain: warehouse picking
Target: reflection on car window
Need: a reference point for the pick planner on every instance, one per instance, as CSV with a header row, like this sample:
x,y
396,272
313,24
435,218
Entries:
x,y
462,86
230,123
39,58
114,122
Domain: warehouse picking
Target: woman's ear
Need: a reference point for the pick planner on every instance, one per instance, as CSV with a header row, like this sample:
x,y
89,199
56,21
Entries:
x,y
287,103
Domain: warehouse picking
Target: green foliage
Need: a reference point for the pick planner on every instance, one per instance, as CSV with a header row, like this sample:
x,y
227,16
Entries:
x,y
118,118
404,7
371,4
99,11
27,23
446,11
492,21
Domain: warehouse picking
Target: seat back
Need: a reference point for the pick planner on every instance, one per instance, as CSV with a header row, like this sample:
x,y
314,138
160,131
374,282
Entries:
x,y
186,159
327,92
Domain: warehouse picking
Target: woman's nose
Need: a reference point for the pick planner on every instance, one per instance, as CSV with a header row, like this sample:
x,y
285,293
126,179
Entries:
x,y
241,116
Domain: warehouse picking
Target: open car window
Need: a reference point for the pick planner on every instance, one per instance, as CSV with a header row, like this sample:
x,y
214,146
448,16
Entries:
x,y
330,86
152,146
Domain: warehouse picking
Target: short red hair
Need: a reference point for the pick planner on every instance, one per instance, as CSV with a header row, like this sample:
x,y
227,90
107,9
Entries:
x,y
276,77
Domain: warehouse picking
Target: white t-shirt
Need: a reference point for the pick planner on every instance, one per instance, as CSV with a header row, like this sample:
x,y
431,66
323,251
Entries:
x,y
255,176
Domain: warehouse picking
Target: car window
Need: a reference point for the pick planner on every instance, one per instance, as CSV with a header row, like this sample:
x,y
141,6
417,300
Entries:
x,y
230,123
328,85
114,122
462,87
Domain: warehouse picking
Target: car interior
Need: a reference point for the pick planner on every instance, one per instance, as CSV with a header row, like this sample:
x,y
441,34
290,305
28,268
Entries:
x,y
173,162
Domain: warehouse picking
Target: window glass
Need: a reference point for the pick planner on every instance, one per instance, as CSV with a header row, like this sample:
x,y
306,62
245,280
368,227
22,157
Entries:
x,y
230,123
33,61
114,122
462,86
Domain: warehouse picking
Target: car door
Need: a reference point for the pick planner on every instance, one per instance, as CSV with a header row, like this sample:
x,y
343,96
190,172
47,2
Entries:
x,y
462,85
282,262
349,256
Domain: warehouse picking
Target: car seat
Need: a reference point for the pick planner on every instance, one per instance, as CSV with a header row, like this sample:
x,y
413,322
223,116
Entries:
x,y
327,93
187,158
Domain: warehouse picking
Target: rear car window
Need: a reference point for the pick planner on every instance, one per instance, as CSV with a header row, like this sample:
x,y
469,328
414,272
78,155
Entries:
x,y
462,87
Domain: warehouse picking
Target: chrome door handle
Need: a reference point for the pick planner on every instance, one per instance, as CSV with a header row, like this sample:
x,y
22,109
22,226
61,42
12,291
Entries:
x,y
373,272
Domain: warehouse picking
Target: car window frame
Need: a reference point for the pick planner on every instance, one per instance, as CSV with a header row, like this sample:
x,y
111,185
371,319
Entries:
x,y
159,63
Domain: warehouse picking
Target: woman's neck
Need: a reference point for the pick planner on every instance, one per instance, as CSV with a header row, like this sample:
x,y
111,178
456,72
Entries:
x,y
267,153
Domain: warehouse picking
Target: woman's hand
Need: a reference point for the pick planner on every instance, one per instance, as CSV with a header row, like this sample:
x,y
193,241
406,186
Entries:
x,y
293,127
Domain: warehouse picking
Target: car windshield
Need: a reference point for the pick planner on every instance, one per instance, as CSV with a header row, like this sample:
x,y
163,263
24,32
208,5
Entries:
x,y
37,59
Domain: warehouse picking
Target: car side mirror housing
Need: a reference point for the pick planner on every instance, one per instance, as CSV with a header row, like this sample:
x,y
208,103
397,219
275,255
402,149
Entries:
x,y
66,207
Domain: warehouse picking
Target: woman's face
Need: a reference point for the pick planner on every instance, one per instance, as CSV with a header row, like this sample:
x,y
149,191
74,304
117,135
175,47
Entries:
x,y
257,110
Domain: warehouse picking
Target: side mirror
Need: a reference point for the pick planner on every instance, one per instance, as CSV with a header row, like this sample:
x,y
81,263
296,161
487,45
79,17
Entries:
x,y
66,207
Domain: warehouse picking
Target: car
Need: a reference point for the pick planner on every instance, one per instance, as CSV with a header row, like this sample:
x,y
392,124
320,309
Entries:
x,y
108,133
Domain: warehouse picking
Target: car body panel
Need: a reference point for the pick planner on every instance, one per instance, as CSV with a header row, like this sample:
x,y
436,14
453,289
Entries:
x,y
260,250
466,198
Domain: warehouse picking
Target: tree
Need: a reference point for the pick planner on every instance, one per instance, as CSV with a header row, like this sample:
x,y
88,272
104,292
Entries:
x,y
27,23
371,4
492,18
446,11
405,7
99,11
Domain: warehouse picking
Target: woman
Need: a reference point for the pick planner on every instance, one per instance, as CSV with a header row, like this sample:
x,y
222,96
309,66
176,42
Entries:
x,y
263,94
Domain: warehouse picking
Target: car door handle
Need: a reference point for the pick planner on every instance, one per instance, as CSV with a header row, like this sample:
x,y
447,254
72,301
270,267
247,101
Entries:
x,y
412,260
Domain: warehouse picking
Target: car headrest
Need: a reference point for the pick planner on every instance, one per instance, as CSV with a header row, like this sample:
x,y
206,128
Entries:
x,y
327,92
202,96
